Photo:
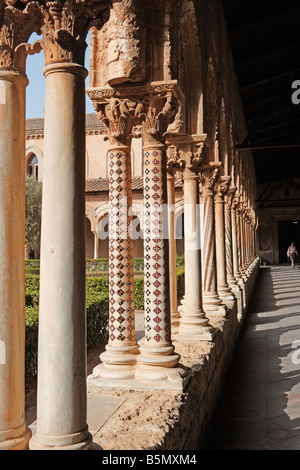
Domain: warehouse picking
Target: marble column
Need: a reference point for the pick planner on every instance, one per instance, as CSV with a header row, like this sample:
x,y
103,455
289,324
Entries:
x,y
172,254
14,434
212,303
158,360
96,245
119,359
62,395
223,288
193,322
231,247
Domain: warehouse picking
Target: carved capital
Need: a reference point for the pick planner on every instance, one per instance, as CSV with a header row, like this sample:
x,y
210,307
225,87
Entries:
x,y
229,196
65,26
119,116
18,20
161,112
221,188
186,153
208,180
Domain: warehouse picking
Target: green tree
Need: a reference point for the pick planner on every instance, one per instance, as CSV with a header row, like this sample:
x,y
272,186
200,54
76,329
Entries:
x,y
33,212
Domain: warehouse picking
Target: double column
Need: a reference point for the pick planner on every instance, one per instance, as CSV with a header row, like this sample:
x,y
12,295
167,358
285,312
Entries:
x,y
223,288
120,358
14,434
185,154
212,302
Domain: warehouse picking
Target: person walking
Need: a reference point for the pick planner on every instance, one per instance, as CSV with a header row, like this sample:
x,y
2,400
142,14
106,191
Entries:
x,y
292,253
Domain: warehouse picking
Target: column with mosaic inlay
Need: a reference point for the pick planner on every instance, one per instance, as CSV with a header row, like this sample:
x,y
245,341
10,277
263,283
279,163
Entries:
x,y
158,361
120,356
212,303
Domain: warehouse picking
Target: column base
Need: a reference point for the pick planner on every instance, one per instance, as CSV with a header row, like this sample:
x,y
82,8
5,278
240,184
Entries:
x,y
87,444
17,443
146,378
194,327
213,306
117,362
175,321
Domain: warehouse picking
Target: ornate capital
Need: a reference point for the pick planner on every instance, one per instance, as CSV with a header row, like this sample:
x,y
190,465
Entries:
x,y
208,180
162,106
230,195
119,115
65,26
221,188
186,153
18,20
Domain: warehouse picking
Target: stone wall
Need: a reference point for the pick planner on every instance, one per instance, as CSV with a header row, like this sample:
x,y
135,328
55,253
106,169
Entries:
x,y
164,420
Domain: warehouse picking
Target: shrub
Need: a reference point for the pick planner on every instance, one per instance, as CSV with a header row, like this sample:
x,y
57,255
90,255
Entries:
x,y
31,342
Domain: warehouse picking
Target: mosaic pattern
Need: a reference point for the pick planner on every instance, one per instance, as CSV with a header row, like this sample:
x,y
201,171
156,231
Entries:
x,y
121,293
157,300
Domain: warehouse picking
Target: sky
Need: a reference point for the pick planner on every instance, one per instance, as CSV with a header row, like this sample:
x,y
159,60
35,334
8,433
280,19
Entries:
x,y
35,92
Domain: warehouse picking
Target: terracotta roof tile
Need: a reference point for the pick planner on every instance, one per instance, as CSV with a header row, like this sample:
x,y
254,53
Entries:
x,y
101,184
36,126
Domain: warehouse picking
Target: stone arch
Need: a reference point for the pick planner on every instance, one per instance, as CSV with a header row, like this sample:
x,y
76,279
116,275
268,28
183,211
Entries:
x,y
29,153
179,226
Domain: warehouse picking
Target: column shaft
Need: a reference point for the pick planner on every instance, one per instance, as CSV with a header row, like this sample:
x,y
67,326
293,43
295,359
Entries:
x,y
172,254
61,407
223,288
14,435
193,322
211,300
157,351
119,359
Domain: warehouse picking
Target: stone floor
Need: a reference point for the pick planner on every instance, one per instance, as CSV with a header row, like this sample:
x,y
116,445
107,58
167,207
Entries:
x,y
260,406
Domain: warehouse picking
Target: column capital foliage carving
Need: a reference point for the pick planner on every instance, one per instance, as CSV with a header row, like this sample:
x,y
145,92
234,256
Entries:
x,y
221,187
229,196
186,156
18,20
161,110
208,180
119,116
63,24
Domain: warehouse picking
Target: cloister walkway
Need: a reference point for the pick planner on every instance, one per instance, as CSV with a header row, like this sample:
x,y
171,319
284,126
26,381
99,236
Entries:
x,y
260,404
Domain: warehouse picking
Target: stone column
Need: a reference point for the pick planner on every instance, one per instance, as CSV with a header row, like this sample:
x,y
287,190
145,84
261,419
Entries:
x,y
212,303
119,359
231,247
96,245
224,290
14,435
172,254
61,406
193,322
158,360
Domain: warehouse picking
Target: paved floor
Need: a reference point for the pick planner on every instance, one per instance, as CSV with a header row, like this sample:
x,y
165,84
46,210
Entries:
x,y
260,405
100,407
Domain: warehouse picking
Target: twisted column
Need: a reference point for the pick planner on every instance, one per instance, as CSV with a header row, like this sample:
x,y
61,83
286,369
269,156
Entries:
x,y
211,301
